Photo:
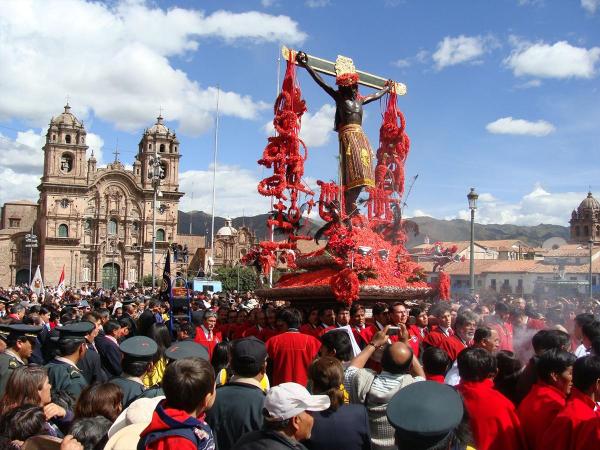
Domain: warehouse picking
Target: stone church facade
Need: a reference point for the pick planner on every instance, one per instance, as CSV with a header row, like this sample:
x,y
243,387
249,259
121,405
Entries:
x,y
95,222
585,221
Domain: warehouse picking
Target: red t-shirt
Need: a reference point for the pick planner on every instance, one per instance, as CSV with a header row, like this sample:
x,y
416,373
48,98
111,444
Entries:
x,y
563,432
291,353
492,416
452,346
537,410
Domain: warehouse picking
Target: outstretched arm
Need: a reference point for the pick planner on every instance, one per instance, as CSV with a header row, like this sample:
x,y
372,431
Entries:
x,y
377,95
302,61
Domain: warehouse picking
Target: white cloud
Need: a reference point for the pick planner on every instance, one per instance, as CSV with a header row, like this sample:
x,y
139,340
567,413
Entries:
x,y
538,206
590,6
316,128
508,125
317,3
420,213
24,155
530,84
236,191
486,197
559,60
461,49
114,60
402,63
18,186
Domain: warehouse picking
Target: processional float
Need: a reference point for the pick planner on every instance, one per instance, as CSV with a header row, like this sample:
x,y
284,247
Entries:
x,y
365,256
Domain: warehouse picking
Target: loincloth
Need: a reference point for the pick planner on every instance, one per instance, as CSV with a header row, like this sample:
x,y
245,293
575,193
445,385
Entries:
x,y
356,157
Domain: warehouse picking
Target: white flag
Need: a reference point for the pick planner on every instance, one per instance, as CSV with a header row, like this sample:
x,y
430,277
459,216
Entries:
x,y
37,284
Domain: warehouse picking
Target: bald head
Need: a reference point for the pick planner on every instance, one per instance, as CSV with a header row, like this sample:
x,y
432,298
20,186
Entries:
x,y
397,358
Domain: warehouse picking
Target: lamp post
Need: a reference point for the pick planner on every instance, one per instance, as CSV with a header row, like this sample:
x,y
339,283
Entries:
x,y
472,197
155,178
591,242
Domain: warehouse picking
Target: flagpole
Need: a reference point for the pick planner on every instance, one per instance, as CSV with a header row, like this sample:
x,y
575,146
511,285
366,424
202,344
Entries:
x,y
212,221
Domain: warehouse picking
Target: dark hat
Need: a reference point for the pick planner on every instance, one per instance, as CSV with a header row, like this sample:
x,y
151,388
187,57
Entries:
x,y
139,347
186,349
71,305
6,300
424,413
249,351
127,301
18,330
3,332
76,331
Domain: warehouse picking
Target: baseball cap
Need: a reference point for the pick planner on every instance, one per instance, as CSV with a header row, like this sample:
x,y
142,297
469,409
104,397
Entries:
x,y
250,351
287,400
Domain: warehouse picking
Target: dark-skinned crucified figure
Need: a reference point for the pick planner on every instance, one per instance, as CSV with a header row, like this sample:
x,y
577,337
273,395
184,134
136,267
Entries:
x,y
356,156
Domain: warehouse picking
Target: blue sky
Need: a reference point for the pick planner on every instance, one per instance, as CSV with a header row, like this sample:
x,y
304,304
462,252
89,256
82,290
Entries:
x,y
502,95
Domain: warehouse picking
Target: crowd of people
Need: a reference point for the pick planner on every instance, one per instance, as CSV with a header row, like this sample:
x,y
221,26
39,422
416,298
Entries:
x,y
117,370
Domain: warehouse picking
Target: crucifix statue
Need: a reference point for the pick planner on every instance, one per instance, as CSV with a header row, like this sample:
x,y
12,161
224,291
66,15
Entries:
x,y
356,155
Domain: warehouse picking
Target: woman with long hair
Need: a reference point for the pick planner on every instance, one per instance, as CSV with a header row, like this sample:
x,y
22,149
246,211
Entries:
x,y
160,333
342,425
30,385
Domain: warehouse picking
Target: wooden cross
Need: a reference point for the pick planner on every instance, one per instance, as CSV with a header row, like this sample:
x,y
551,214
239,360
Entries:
x,y
328,68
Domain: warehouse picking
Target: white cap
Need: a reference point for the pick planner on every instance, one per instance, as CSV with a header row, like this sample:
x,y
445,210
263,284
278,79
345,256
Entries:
x,y
138,412
287,400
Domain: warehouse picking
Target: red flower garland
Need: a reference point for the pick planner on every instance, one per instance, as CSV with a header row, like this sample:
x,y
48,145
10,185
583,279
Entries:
x,y
345,286
444,286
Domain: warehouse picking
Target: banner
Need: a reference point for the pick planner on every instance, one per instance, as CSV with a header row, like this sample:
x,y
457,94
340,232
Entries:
x,y
60,289
37,284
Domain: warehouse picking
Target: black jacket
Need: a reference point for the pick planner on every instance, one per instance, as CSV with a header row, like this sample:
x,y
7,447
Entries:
x,y
110,356
145,322
266,440
237,410
91,366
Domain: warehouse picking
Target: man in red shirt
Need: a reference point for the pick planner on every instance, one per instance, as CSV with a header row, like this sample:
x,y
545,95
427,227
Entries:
x,y
566,431
206,333
548,396
399,315
464,331
380,320
442,330
270,329
312,325
357,322
419,328
500,322
291,352
493,418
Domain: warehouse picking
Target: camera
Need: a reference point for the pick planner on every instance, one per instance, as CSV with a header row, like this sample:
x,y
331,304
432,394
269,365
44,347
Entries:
x,y
392,331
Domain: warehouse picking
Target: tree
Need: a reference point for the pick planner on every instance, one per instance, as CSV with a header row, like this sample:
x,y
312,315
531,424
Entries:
x,y
229,277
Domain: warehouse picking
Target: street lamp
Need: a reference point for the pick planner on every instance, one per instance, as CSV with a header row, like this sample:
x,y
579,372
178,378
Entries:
x,y
155,175
591,242
472,197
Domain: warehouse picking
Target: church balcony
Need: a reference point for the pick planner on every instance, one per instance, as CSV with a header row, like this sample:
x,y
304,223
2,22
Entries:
x,y
62,241
159,244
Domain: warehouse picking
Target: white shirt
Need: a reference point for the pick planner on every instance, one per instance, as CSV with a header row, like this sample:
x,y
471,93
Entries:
x,y
581,351
452,377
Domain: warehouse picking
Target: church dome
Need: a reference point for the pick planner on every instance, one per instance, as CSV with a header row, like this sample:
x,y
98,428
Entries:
x,y
66,118
227,230
159,127
589,203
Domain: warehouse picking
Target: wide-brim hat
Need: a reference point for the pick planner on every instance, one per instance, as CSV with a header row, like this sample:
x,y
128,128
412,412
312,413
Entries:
x,y
126,438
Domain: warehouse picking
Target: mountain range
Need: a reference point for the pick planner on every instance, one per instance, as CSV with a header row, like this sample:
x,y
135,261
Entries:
x,y
434,229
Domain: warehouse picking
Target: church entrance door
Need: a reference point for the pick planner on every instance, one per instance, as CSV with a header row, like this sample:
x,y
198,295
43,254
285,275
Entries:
x,y
22,277
110,276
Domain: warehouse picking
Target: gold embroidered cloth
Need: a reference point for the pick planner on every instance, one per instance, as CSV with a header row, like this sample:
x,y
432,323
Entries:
x,y
356,156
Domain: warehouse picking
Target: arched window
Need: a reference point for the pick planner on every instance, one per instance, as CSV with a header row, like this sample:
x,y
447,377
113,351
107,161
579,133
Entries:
x,y
63,230
135,226
162,148
149,146
66,162
160,235
87,225
53,138
586,230
112,226
68,138
577,233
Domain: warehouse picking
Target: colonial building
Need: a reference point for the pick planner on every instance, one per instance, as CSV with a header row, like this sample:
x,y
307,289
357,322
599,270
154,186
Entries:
x,y
231,244
96,222
585,221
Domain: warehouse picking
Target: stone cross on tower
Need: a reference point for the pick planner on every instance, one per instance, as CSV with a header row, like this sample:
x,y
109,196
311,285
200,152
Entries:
x,y
116,152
